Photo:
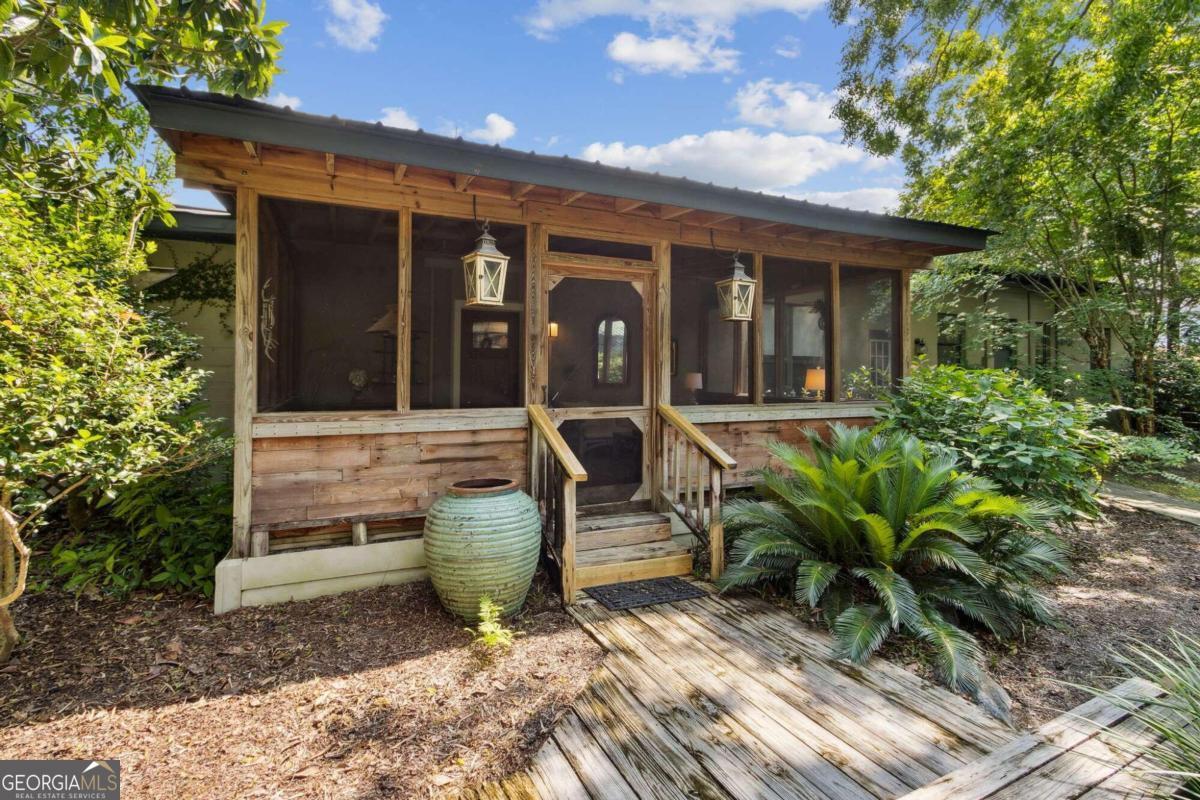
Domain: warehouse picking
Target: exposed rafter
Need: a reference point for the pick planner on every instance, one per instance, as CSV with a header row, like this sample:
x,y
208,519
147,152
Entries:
x,y
330,164
398,171
253,151
461,181
568,197
519,190
623,206
758,226
673,212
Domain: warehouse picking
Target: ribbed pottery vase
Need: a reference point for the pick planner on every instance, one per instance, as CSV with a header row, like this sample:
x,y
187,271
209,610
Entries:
x,y
482,538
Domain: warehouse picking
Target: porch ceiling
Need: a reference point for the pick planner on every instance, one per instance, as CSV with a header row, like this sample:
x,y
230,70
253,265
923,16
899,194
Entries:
x,y
437,162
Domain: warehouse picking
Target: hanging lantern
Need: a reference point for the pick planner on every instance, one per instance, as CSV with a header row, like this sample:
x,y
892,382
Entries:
x,y
484,269
735,295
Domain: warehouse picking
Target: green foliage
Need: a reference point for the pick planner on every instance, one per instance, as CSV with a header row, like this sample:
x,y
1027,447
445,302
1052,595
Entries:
x,y
63,112
881,537
89,394
166,531
1173,718
1071,128
1001,426
1177,391
205,280
490,633
1149,455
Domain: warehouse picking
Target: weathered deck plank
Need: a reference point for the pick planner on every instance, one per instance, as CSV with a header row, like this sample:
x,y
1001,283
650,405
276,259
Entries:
x,y
733,698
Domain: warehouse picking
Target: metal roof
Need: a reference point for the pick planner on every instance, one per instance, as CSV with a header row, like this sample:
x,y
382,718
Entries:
x,y
235,117
195,225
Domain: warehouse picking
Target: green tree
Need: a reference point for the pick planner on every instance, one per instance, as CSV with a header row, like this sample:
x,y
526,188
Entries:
x,y
1071,127
63,63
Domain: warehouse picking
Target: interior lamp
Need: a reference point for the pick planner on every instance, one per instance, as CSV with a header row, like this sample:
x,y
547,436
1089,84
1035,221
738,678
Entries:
x,y
484,270
552,330
735,295
693,382
814,380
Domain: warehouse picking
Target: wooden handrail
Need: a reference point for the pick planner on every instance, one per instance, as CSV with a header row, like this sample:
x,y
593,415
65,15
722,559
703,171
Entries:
x,y
710,448
558,445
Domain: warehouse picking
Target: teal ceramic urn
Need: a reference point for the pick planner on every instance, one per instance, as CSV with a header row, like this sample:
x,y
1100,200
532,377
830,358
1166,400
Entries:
x,y
482,539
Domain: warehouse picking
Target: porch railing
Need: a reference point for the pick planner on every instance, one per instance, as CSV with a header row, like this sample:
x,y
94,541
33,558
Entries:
x,y
553,472
691,475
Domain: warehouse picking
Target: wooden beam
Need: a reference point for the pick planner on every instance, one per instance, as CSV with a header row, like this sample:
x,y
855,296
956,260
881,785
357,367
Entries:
x,y
330,164
673,212
756,351
906,338
245,362
835,331
623,205
758,226
252,151
568,197
404,314
536,309
461,181
398,171
717,219
663,373
519,190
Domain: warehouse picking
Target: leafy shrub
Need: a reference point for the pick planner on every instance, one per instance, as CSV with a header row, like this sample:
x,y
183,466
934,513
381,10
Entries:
x,y
1002,427
1141,455
1177,389
881,537
1173,718
164,532
490,633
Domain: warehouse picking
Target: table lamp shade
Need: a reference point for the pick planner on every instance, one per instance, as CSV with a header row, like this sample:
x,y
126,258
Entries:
x,y
694,381
814,380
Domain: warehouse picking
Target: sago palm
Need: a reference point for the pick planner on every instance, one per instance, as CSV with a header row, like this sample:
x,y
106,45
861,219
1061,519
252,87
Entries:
x,y
879,536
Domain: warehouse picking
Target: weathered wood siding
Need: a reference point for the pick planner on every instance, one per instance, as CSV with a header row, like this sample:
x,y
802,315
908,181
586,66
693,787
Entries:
x,y
321,477
747,441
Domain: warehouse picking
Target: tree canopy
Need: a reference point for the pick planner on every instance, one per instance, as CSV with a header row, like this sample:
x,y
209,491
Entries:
x,y
1073,128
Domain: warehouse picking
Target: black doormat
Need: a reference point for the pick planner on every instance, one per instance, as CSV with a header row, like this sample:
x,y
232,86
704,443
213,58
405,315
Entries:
x,y
635,594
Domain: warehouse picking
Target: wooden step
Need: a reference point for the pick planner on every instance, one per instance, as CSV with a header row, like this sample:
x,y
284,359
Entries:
x,y
611,509
633,562
617,530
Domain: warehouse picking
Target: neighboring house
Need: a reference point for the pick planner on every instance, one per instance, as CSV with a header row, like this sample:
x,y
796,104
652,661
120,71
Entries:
x,y
199,232
1038,341
622,361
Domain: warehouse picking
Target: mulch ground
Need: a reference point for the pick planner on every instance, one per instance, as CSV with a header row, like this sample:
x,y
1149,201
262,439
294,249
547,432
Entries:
x,y
1135,576
378,693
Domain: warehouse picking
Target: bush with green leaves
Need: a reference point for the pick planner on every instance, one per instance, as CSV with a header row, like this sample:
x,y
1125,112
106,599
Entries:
x,y
1001,426
166,531
1145,455
881,537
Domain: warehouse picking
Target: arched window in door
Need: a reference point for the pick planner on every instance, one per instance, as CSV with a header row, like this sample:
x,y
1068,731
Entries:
x,y
612,351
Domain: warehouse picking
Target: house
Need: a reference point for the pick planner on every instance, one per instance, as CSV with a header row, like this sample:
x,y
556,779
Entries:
x,y
622,344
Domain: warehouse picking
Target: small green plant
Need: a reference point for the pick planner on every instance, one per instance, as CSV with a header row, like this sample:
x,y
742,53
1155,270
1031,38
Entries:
x,y
1143,455
1001,426
490,633
880,537
1174,717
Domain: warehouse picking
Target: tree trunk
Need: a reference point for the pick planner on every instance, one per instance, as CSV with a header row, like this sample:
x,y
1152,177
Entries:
x,y
14,563
9,638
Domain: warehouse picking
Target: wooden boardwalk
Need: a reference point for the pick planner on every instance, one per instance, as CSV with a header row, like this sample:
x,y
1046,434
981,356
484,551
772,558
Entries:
x,y
733,698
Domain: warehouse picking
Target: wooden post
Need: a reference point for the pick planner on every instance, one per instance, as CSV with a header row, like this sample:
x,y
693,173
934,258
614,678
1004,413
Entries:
x,y
906,340
716,527
756,350
568,541
404,315
835,332
245,369
358,532
536,360
662,374
260,543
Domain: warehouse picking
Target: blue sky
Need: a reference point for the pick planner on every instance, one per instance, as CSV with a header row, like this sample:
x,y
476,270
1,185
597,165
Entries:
x,y
733,92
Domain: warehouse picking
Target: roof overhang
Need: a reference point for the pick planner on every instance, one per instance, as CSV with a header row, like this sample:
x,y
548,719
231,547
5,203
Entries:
x,y
195,225
173,109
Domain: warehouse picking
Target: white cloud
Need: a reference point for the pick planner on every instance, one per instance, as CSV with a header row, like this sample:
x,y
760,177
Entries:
x,y
788,47
794,107
355,24
772,162
878,199
397,117
280,99
496,129
675,54
705,15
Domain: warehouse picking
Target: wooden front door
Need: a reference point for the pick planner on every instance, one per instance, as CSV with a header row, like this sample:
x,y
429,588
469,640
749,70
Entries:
x,y
490,344
599,378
